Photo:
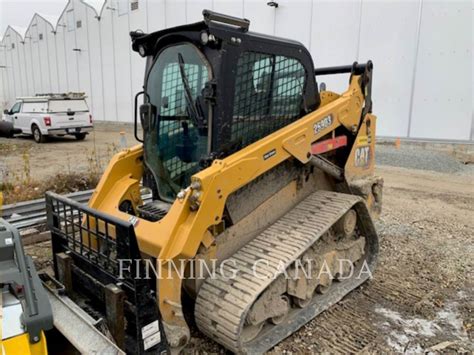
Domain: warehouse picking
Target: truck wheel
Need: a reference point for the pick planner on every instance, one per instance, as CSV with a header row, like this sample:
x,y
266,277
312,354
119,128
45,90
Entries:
x,y
80,136
37,135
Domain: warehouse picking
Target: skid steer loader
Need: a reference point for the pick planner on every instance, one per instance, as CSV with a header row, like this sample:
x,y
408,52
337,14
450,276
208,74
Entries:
x,y
254,175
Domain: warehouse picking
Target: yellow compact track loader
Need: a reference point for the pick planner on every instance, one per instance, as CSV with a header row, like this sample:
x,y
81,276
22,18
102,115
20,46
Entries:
x,y
262,196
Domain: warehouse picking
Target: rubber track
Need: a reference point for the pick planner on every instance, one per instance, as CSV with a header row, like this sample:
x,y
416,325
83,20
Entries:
x,y
222,303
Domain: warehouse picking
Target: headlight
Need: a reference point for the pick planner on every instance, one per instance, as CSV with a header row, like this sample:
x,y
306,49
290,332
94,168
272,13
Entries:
x,y
204,37
142,50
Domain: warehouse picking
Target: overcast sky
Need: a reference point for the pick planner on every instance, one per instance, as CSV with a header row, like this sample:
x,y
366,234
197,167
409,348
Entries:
x,y
20,12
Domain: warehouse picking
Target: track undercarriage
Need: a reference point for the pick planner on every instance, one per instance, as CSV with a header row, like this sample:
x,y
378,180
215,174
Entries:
x,y
308,260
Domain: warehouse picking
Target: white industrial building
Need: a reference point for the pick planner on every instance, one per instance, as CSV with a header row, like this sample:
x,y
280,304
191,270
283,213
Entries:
x,y
421,49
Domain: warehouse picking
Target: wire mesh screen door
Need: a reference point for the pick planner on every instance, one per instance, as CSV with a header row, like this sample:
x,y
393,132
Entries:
x,y
268,95
176,106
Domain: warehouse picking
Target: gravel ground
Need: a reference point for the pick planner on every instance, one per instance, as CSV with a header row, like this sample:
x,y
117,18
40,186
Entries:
x,y
416,157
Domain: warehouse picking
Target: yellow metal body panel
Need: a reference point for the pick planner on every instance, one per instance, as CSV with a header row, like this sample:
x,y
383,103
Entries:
x,y
361,161
122,181
360,165
20,345
327,97
179,234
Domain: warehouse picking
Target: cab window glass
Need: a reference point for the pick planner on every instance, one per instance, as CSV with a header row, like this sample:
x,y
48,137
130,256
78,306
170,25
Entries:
x,y
176,145
16,108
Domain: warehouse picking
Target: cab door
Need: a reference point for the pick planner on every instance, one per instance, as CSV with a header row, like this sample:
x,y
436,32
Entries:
x,y
14,115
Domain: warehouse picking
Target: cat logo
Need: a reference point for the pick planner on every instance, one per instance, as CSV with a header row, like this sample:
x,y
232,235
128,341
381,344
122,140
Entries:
x,y
362,156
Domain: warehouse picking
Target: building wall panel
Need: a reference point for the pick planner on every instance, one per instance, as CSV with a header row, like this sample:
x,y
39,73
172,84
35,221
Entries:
x,y
231,7
106,35
472,72
95,67
155,14
42,28
31,42
261,16
3,81
26,87
418,91
70,46
83,51
289,13
12,58
194,9
175,13
50,39
61,59
122,55
137,18
334,42
15,54
442,106
386,38
11,67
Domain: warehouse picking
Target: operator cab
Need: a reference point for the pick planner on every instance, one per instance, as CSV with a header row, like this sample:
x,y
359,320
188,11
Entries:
x,y
212,88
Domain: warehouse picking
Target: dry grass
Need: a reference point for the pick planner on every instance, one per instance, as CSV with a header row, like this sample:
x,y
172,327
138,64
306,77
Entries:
x,y
20,185
6,148
61,183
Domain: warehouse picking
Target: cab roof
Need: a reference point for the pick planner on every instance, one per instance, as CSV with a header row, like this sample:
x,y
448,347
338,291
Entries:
x,y
214,23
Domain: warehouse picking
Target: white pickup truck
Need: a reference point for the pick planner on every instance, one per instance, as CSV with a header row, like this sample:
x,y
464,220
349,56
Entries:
x,y
51,114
